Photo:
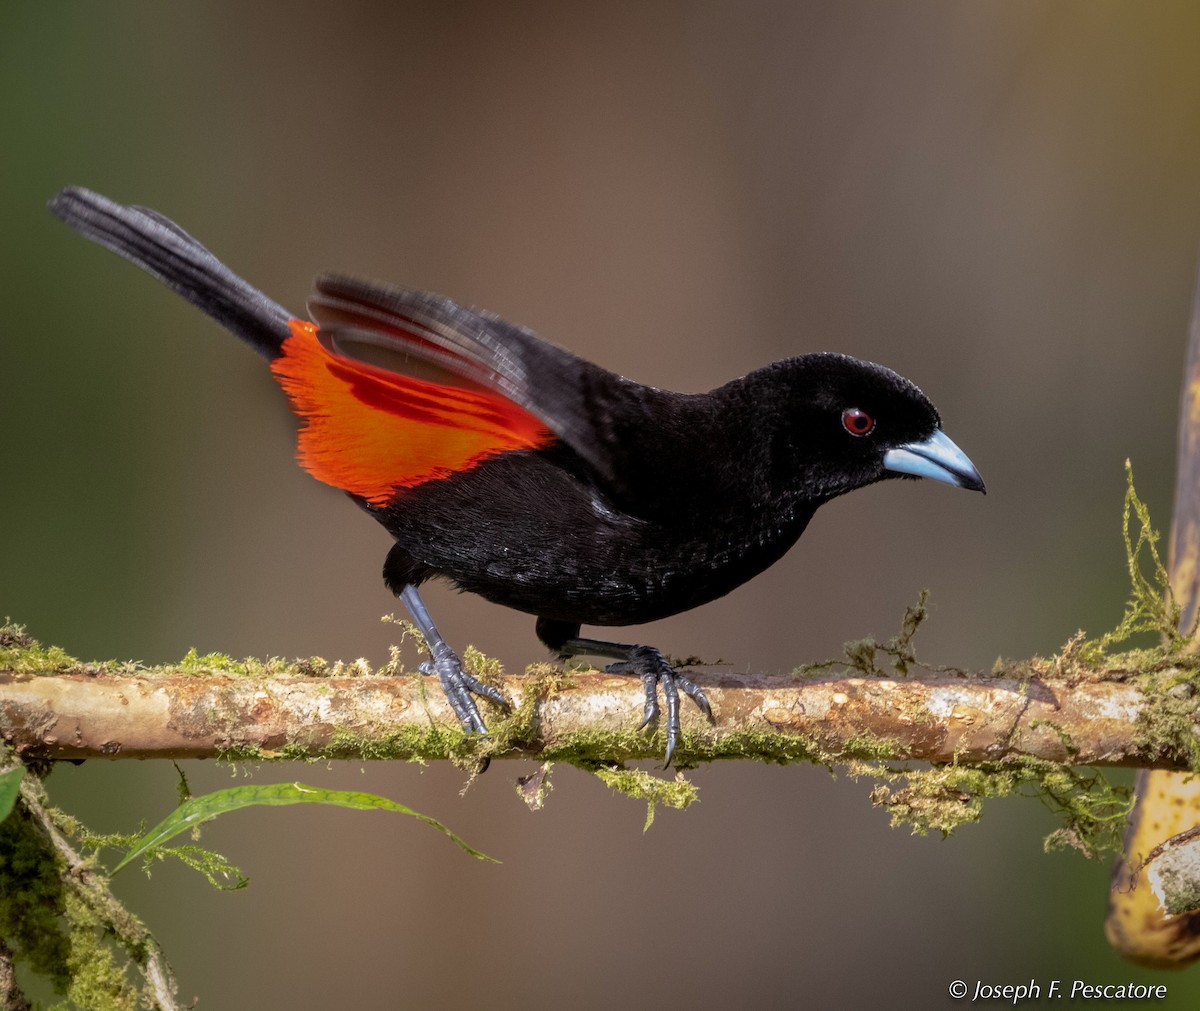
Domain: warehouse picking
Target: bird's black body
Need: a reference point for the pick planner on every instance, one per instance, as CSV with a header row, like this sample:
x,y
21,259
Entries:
x,y
600,501
576,558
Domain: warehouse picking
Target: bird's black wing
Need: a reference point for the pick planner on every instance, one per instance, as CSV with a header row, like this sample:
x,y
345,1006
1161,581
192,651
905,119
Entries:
x,y
623,430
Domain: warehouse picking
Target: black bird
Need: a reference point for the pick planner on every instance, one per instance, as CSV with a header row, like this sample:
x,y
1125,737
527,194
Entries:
x,y
536,479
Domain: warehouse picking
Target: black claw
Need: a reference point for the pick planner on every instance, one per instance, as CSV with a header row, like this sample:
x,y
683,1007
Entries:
x,y
649,664
652,667
459,686
490,693
673,726
650,684
456,682
694,692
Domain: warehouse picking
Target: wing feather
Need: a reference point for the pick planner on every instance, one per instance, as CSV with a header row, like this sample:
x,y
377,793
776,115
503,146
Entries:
x,y
373,431
587,407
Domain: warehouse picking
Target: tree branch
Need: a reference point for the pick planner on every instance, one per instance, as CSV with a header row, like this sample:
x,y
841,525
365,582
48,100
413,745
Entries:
x,y
1053,711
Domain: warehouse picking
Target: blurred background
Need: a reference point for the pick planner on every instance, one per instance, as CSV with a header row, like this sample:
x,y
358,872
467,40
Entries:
x,y
999,200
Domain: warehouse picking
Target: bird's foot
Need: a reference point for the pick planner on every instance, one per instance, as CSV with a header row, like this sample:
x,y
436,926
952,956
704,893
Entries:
x,y
459,686
652,667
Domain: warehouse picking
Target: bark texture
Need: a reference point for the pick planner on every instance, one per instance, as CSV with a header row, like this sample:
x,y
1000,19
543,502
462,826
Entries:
x,y
1106,718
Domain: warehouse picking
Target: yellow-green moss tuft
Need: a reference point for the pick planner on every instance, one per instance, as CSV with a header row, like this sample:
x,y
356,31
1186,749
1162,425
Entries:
x,y
679,793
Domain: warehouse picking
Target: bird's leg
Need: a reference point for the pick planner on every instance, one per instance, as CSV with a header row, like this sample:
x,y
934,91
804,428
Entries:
x,y
456,682
644,661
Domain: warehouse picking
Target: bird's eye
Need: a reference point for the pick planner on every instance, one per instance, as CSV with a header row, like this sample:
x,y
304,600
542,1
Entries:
x,y
857,422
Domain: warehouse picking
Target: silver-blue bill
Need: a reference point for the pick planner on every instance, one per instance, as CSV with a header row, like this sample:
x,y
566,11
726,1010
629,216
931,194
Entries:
x,y
938,458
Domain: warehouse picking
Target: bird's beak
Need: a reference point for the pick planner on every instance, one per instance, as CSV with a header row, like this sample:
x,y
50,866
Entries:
x,y
937,457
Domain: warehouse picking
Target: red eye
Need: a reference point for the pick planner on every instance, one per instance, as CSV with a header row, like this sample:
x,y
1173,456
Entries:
x,y
857,422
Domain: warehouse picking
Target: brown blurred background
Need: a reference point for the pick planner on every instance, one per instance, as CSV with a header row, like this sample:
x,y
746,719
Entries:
x,y
1001,200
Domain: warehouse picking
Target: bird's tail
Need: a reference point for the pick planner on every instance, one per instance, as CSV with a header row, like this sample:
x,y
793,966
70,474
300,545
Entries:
x,y
161,248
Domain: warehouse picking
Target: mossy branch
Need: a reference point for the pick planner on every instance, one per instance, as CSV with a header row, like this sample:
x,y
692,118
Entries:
x,y
1139,710
59,914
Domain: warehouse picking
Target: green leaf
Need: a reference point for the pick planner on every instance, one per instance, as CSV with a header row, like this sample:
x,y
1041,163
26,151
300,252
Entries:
x,y
10,786
198,810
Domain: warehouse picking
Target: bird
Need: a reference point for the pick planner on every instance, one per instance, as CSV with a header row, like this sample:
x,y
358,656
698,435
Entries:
x,y
536,479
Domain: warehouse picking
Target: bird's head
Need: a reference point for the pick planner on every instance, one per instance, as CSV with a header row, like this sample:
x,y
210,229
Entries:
x,y
844,423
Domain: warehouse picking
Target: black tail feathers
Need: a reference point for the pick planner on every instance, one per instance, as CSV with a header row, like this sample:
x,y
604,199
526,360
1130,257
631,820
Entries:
x,y
161,248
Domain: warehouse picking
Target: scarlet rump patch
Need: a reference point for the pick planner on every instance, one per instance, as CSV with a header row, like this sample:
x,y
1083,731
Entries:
x,y
370,431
